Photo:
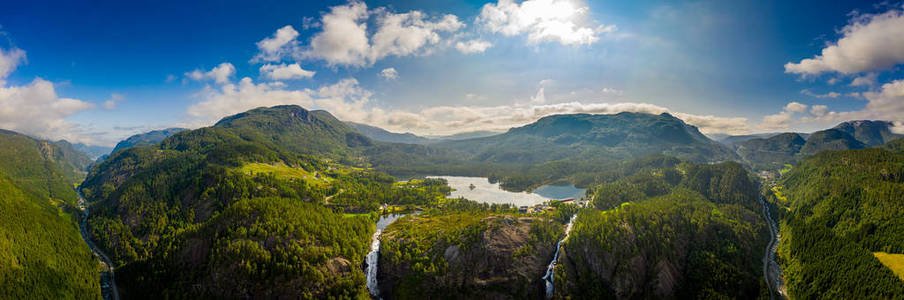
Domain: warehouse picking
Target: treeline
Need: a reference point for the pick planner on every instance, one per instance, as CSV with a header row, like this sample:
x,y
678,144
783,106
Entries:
x,y
837,208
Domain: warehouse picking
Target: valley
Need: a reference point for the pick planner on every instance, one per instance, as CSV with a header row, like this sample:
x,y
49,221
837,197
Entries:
x,y
248,208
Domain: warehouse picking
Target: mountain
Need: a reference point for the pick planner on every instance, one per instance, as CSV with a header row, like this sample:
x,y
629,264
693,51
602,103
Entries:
x,y
42,254
382,135
619,136
772,152
840,211
147,138
93,151
732,140
870,133
296,129
464,135
265,203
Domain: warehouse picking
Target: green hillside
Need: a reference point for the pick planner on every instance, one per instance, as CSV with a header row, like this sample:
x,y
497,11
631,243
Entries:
x,y
681,231
41,249
838,207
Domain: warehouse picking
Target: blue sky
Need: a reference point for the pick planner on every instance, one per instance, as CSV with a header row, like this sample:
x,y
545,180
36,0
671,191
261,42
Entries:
x,y
101,71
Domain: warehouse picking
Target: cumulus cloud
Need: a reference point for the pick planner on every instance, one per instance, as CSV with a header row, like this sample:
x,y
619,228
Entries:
x,y
285,72
345,40
9,61
472,46
783,119
348,101
220,74
37,110
819,110
865,80
562,21
870,42
826,95
389,74
274,48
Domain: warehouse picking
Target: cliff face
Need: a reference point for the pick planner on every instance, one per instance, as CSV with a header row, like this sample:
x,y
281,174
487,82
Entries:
x,y
494,257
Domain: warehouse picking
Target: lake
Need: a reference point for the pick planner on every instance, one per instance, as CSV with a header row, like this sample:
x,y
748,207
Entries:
x,y
487,192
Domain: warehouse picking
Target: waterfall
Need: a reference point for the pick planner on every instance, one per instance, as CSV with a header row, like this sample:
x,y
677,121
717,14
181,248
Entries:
x,y
550,269
372,257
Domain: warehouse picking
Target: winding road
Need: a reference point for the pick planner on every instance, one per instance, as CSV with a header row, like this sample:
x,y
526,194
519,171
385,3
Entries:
x,y
107,279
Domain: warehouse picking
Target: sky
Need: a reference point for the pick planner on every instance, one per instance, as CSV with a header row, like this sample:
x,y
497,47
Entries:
x,y
98,71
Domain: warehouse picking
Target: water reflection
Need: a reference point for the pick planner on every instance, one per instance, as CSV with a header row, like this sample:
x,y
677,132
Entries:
x,y
486,192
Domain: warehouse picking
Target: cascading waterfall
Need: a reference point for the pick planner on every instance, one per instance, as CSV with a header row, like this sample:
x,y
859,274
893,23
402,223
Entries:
x,y
551,268
373,257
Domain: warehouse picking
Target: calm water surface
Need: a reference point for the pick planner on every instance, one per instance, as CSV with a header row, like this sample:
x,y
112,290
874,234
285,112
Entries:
x,y
487,192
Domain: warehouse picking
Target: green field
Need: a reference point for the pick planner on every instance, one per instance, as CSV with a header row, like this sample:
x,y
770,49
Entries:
x,y
283,171
895,262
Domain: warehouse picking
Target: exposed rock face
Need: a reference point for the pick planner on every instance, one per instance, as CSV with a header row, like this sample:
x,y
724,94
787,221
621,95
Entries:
x,y
503,262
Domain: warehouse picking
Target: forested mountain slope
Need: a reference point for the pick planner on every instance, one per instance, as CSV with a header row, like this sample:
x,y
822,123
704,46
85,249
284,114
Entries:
x,y
667,230
252,206
619,136
41,251
146,139
837,208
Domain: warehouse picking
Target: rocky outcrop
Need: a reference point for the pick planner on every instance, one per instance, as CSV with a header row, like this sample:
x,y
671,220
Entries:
x,y
504,260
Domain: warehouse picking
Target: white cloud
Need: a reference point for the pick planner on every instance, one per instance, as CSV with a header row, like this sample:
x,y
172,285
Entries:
x,y
562,21
826,95
869,43
285,72
783,119
819,110
865,80
348,101
472,46
114,100
389,74
220,74
36,109
345,39
9,61
281,44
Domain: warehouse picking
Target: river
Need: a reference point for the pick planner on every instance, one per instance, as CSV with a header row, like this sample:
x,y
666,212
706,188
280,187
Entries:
x,y
772,272
107,279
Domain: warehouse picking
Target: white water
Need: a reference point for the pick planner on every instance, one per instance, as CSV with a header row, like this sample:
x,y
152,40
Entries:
x,y
373,257
551,268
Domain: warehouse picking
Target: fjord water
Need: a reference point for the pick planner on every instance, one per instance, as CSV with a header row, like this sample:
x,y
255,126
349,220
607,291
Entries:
x,y
492,193
374,255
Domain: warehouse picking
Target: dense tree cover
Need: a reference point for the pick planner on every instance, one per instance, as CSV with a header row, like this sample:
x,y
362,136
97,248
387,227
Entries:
x,y
668,230
467,250
157,208
773,152
838,207
149,138
258,248
42,255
